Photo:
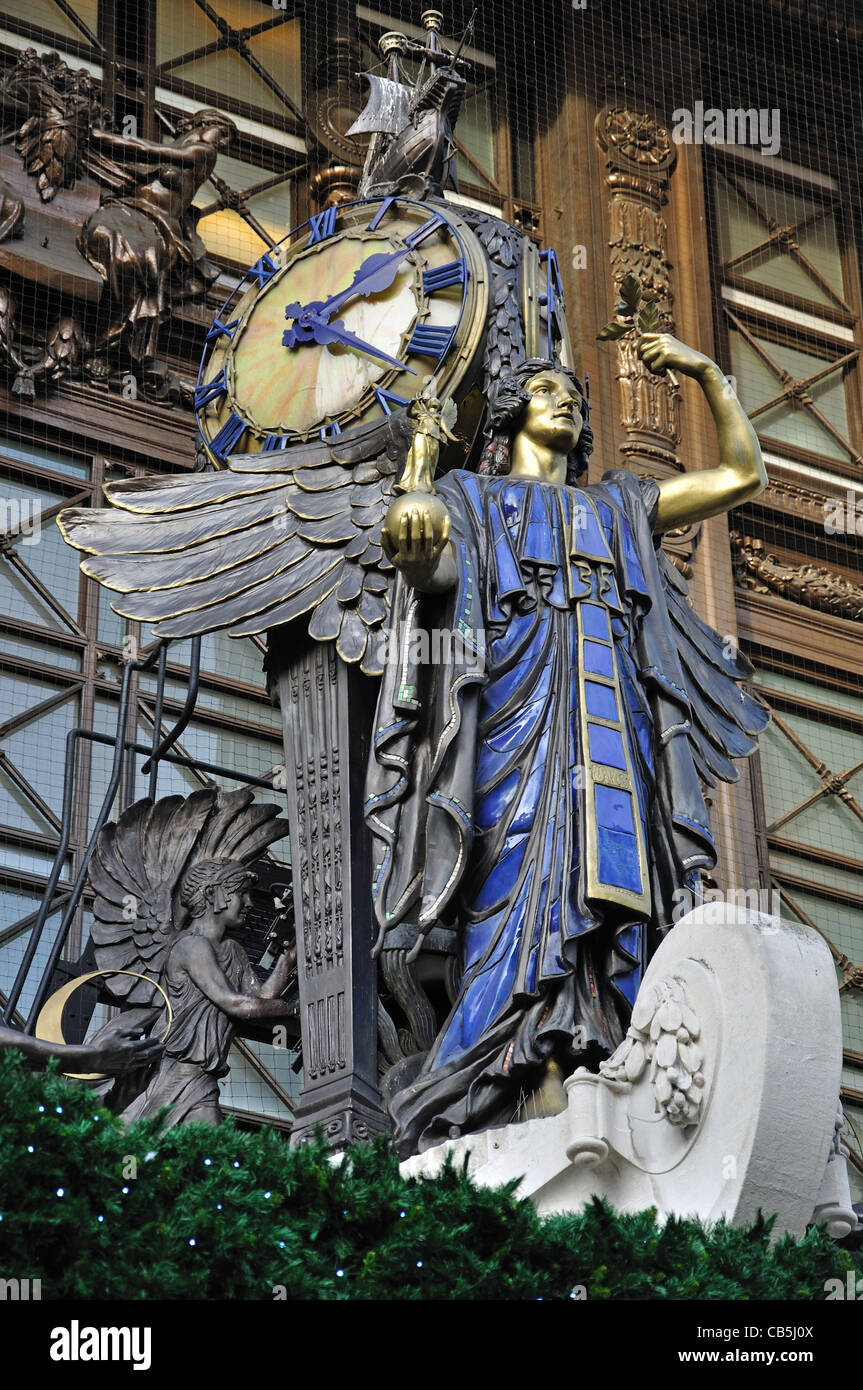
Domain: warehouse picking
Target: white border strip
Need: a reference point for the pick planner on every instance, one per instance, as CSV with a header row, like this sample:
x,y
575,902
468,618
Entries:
x,y
820,474
779,311
262,132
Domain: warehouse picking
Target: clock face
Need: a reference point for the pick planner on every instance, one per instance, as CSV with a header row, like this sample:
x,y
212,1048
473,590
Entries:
x,y
341,324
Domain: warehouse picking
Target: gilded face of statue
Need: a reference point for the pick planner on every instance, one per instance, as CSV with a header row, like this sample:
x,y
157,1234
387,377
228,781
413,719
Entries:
x,y
552,417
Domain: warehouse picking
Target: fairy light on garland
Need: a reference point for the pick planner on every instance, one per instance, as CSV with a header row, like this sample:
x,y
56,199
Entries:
x,y
306,1192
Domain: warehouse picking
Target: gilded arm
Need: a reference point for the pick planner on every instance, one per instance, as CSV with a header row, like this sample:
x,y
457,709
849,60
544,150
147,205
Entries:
x,y
692,497
417,525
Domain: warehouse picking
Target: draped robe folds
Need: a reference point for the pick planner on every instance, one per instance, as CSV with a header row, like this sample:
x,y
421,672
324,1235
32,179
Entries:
x,y
197,1045
533,785
149,258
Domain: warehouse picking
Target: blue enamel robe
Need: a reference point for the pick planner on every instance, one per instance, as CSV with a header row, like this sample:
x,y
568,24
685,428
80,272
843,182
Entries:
x,y
535,786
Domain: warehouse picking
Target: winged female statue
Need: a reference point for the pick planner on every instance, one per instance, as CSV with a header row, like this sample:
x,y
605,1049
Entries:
x,y
538,789
171,878
142,239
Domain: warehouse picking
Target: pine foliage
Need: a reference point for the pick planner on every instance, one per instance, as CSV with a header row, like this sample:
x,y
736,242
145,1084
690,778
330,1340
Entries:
x,y
97,1211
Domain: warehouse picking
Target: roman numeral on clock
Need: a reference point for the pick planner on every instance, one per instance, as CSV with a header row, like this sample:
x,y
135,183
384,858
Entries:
x,y
430,341
273,442
219,328
263,270
381,213
229,436
330,431
322,226
422,233
209,390
388,400
440,276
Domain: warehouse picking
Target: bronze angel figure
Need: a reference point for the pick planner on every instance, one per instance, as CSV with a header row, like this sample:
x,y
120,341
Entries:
x,y
171,878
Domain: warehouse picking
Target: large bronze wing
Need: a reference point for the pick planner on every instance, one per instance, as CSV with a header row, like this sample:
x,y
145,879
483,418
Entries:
x,y
725,718
137,866
255,545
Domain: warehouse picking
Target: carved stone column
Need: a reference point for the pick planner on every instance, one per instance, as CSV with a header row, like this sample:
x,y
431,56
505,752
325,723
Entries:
x,y
639,160
327,710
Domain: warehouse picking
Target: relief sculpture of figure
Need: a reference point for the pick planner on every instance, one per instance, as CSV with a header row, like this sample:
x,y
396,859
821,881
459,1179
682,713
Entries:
x,y
142,238
538,788
171,880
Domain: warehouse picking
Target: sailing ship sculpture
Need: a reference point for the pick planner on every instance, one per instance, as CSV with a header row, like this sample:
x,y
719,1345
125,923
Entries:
x,y
412,150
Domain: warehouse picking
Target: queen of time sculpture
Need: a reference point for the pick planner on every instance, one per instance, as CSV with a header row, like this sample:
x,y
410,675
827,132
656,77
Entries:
x,y
533,798
541,786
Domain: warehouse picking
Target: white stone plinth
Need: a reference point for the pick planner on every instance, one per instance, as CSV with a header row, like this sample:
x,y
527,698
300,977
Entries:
x,y
720,1103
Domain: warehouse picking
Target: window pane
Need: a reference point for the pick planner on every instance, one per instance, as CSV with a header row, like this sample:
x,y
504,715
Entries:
x,y
49,16
278,50
237,658
227,234
18,694
836,699
181,27
112,628
475,131
230,75
55,564
47,653
18,811
756,383
19,600
233,705
75,466
38,749
15,903
787,777
740,228
851,1005
244,1089
12,954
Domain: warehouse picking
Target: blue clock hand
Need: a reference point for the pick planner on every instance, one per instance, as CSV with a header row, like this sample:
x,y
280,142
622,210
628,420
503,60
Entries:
x,y
314,328
376,273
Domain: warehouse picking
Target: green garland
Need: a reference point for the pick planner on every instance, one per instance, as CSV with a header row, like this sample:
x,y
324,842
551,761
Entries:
x,y
97,1211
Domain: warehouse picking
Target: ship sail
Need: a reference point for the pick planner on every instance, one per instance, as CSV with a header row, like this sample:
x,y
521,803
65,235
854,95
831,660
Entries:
x,y
388,107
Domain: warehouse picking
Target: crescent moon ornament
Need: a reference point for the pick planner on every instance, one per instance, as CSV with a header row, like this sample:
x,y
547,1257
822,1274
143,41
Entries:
x,y
49,1024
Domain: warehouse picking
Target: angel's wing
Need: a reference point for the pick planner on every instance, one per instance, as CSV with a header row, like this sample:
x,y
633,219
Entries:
x,y
133,872
256,545
725,717
137,866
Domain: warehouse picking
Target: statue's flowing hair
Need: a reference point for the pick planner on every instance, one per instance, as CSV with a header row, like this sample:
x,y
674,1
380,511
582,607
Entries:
x,y
212,881
506,407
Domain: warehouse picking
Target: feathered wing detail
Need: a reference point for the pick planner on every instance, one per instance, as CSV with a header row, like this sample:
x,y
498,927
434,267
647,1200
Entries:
x,y
725,717
272,537
137,867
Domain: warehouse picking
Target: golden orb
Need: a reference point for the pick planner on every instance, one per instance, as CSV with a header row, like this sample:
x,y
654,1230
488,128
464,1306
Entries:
x,y
416,501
